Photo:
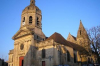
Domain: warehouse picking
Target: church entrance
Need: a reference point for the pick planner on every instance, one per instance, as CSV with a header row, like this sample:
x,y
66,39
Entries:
x,y
43,63
21,61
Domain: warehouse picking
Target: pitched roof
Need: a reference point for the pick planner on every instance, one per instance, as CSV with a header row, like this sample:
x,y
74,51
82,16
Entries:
x,y
73,37
26,30
59,39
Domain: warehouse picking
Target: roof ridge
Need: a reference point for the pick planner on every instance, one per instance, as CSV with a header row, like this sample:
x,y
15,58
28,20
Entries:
x,y
60,39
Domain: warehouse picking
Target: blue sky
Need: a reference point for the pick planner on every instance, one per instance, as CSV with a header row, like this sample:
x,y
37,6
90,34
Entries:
x,y
62,16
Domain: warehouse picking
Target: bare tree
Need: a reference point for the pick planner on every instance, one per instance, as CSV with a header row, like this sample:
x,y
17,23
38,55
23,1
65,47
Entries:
x,y
94,36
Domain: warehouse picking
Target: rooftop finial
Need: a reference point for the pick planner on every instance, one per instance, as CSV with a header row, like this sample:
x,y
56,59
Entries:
x,y
69,32
80,20
81,25
32,2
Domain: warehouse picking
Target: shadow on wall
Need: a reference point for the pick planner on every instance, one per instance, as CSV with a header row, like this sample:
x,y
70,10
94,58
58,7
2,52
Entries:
x,y
34,57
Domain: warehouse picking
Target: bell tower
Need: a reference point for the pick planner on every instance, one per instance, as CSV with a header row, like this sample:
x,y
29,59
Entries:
x,y
82,37
31,16
31,20
29,34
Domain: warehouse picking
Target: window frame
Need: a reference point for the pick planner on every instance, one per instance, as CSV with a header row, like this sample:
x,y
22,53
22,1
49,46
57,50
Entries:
x,y
43,53
68,56
37,23
30,20
75,58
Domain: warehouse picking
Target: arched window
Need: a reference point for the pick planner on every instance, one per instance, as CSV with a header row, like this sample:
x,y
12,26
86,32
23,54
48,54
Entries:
x,y
43,53
37,21
37,37
30,20
80,32
68,56
75,58
59,55
88,60
32,1
24,19
23,22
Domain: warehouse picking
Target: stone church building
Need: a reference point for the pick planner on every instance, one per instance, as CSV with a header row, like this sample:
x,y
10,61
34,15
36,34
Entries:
x,y
33,48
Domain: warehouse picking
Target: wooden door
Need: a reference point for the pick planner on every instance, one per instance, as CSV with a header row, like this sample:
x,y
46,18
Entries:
x,y
21,61
43,63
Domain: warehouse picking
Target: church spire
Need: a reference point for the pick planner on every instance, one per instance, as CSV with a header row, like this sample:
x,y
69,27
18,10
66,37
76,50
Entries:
x,y
81,25
32,2
82,37
81,31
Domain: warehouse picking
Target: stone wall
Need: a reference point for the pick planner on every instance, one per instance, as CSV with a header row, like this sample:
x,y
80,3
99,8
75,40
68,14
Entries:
x,y
52,50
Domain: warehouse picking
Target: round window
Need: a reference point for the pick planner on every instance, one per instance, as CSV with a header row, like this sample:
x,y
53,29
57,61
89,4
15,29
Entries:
x,y
22,46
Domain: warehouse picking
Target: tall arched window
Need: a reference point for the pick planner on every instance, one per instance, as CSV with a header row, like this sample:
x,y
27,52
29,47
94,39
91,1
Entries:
x,y
37,21
68,56
30,20
59,55
43,53
24,19
32,1
80,32
75,58
88,60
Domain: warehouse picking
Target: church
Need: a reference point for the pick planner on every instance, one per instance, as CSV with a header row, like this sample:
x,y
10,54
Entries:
x,y
33,48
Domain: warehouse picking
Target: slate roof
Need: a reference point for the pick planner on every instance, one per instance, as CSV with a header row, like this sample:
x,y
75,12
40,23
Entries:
x,y
59,39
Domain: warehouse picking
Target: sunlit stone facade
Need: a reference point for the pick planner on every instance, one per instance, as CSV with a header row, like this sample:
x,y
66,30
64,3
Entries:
x,y
33,48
